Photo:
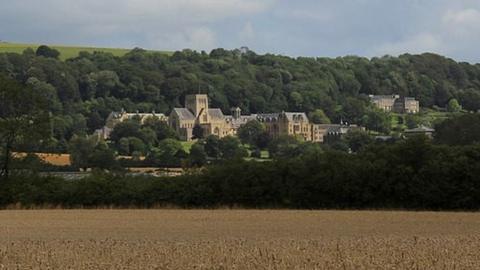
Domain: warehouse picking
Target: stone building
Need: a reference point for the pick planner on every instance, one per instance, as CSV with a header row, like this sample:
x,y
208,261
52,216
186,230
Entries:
x,y
197,112
213,122
395,103
406,105
333,132
118,117
287,123
422,130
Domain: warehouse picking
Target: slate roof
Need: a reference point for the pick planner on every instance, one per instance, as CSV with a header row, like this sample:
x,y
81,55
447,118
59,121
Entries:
x,y
237,122
267,117
184,114
296,116
216,114
378,97
421,129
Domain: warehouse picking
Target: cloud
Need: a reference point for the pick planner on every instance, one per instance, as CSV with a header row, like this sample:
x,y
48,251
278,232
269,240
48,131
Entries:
x,y
154,24
462,17
425,42
297,28
310,15
453,33
201,38
247,33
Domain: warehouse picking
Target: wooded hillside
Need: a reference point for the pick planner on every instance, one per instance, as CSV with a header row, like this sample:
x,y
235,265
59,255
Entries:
x,y
84,90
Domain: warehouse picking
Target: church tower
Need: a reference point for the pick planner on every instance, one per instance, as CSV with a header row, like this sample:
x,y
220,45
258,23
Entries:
x,y
198,105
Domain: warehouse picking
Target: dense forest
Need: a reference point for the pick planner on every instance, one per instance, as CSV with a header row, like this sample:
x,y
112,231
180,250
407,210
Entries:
x,y
82,91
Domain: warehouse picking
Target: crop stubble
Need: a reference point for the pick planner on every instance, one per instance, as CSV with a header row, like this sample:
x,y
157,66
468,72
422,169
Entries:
x,y
238,239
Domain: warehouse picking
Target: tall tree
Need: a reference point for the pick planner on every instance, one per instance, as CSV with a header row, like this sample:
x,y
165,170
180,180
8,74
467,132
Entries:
x,y
251,132
24,119
46,51
80,149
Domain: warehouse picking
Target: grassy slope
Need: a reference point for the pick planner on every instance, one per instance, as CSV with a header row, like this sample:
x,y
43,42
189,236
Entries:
x,y
66,52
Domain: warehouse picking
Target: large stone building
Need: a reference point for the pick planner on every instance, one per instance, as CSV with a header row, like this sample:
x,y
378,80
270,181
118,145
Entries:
x,y
213,122
395,103
118,117
197,112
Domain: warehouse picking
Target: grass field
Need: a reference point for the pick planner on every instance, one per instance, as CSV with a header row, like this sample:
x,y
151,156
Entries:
x,y
187,145
238,239
66,52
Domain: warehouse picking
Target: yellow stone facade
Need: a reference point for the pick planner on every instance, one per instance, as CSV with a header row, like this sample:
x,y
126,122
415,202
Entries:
x,y
213,122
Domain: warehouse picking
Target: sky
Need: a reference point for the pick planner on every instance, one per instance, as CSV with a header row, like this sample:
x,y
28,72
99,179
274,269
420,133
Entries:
x,y
317,28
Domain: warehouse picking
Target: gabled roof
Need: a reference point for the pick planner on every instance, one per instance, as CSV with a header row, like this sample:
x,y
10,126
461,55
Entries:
x,y
378,97
421,129
216,114
184,114
237,122
296,116
267,117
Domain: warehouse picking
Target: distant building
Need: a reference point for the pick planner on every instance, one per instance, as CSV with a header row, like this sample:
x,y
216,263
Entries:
x,y
118,117
197,112
422,130
395,103
330,132
287,123
213,122
406,105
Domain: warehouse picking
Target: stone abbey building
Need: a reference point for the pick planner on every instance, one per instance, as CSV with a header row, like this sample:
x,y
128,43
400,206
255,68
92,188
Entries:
x,y
214,122
395,103
197,112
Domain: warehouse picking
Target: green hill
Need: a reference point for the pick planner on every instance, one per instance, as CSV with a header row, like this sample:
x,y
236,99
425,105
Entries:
x,y
66,52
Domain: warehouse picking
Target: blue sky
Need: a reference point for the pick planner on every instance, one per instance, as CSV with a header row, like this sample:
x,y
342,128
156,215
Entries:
x,y
297,28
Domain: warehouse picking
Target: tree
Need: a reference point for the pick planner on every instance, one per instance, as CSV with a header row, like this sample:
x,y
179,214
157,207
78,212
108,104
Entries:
x,y
411,121
378,121
453,106
124,146
284,146
357,140
197,132
49,92
80,149
231,148
102,83
103,157
251,132
136,145
470,99
125,129
24,119
198,156
169,153
319,117
161,128
460,130
212,146
48,52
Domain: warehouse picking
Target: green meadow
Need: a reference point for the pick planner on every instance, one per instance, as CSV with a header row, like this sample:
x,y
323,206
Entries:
x,y
66,52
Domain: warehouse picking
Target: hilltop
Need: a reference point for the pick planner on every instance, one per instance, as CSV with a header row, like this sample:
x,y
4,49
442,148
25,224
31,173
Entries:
x,y
66,52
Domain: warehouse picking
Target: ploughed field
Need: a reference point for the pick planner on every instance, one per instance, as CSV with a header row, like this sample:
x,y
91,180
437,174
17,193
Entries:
x,y
238,239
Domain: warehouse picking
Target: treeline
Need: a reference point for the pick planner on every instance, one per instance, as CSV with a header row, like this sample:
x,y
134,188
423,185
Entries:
x,y
82,91
411,174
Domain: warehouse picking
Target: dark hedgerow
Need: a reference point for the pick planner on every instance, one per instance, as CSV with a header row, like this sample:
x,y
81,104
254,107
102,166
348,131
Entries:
x,y
414,174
